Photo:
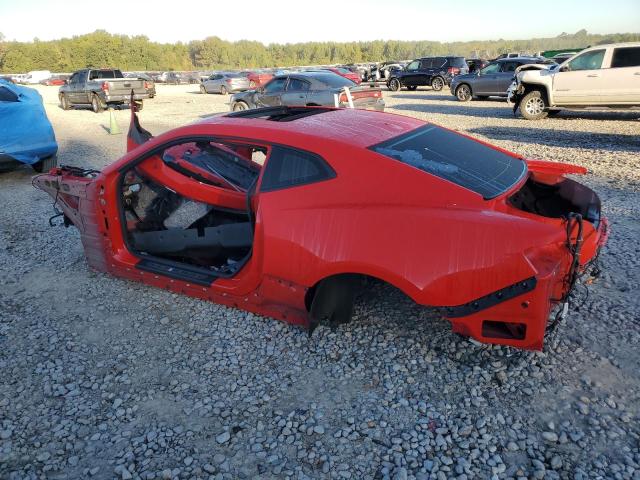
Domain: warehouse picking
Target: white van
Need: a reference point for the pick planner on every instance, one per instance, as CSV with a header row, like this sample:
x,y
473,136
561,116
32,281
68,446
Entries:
x,y
36,76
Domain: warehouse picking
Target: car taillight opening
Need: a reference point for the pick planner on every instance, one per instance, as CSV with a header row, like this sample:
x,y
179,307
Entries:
x,y
105,86
146,85
453,70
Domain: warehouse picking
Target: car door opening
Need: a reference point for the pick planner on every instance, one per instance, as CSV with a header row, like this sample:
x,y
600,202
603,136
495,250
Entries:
x,y
168,221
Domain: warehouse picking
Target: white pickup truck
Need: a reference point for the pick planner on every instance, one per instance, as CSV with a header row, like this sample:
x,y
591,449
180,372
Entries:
x,y
603,76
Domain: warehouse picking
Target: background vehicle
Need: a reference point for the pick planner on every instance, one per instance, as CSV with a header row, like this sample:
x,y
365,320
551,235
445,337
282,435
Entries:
x,y
55,81
36,76
329,196
492,80
508,55
562,57
476,64
308,89
149,83
174,78
345,72
435,72
604,76
225,83
26,135
191,77
259,78
100,89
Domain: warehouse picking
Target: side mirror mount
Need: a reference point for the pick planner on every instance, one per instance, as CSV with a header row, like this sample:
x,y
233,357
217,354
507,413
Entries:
x,y
564,68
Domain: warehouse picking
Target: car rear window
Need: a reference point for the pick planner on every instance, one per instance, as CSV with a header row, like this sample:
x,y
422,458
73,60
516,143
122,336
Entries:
x,y
105,74
333,80
456,158
626,57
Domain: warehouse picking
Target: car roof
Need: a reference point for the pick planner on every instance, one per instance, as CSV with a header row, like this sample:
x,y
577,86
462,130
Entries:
x,y
515,59
360,128
610,45
440,56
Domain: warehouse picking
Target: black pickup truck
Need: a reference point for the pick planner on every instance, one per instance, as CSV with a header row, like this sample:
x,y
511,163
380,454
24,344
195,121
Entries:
x,y
101,89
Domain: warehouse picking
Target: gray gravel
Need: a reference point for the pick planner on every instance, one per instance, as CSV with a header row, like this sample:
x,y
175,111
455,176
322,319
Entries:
x,y
105,378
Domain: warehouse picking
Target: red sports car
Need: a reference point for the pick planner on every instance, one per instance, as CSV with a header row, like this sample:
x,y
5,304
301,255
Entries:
x,y
346,73
283,211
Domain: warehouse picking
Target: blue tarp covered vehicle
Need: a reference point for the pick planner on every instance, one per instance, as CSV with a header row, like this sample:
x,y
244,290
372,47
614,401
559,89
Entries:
x,y
26,135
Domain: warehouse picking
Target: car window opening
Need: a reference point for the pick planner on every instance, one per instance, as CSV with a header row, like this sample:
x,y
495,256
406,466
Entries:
x,y
213,164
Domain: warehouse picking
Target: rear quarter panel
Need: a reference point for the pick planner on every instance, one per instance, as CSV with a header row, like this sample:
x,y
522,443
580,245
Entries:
x,y
439,243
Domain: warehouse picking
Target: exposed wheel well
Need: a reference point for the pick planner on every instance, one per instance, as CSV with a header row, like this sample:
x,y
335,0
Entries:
x,y
357,281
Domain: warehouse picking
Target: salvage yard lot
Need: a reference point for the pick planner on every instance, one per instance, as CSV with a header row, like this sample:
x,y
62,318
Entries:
x,y
107,378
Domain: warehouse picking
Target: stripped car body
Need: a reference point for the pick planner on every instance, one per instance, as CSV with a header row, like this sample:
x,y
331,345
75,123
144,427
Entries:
x,y
280,211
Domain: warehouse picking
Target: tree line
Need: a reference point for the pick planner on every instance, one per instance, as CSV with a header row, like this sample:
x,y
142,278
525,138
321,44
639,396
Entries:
x,y
102,49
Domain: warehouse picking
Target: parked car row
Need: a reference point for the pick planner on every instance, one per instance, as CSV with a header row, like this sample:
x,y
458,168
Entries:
x,y
603,76
492,80
600,76
311,88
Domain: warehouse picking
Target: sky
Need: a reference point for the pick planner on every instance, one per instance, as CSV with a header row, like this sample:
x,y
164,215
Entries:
x,y
287,21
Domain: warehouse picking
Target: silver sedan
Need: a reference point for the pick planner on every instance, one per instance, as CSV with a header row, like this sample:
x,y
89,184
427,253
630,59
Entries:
x,y
224,83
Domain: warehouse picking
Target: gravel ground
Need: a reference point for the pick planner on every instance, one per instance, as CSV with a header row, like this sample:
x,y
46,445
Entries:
x,y
105,378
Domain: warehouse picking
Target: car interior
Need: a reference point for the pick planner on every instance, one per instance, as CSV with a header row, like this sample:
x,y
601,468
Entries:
x,y
190,204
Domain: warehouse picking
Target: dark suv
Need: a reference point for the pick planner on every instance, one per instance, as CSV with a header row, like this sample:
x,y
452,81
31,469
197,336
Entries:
x,y
435,72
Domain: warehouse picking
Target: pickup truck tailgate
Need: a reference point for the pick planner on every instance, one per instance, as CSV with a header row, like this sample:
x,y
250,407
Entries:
x,y
123,86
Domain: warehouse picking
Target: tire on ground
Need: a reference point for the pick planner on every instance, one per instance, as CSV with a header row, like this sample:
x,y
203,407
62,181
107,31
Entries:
x,y
463,92
437,84
533,105
96,104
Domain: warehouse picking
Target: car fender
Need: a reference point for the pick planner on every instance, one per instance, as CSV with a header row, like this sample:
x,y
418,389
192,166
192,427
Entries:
x,y
536,78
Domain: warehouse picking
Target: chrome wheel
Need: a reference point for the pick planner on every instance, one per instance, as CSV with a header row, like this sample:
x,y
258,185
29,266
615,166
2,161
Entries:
x,y
237,107
534,106
437,84
394,85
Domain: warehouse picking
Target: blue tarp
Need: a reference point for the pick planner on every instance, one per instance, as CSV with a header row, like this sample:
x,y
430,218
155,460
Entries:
x,y
26,134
